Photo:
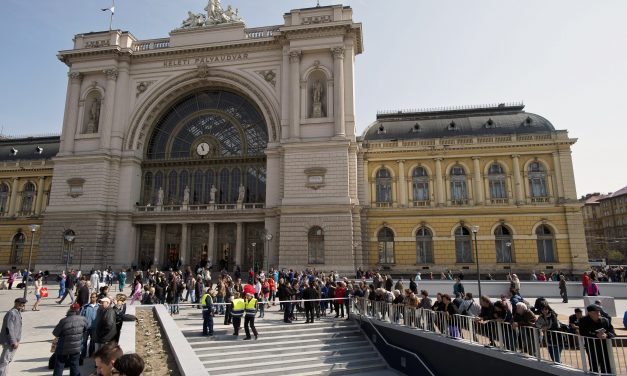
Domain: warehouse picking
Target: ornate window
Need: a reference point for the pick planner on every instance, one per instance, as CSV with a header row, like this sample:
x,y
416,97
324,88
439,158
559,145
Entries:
x,y
463,245
424,246
546,244
4,198
171,194
147,188
498,188
28,197
420,185
17,248
224,186
209,182
315,243
158,185
385,239
537,180
183,183
198,196
384,186
459,192
503,243
235,181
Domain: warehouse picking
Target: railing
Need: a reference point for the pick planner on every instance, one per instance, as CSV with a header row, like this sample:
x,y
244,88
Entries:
x,y
540,200
499,201
154,44
598,356
198,208
459,202
383,204
421,203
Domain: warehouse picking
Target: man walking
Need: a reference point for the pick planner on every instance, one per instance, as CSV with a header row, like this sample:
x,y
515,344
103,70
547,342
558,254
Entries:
x,y
106,329
69,287
207,312
11,334
237,312
70,333
89,312
250,307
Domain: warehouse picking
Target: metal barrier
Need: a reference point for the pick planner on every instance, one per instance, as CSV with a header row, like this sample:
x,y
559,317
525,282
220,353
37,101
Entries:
x,y
593,355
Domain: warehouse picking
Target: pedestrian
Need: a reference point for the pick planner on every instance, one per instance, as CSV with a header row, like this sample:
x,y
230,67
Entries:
x,y
95,281
121,280
82,294
550,326
105,324
11,334
137,290
562,287
598,330
89,312
458,287
70,333
11,279
250,311
105,358
38,286
340,295
69,287
207,312
129,365
585,281
237,311
310,295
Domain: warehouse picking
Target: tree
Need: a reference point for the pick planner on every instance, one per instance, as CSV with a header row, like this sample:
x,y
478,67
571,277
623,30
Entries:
x,y
615,256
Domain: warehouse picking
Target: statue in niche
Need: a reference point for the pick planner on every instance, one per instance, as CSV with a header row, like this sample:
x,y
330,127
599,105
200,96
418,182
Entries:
x,y
94,116
212,194
160,197
242,194
186,195
317,92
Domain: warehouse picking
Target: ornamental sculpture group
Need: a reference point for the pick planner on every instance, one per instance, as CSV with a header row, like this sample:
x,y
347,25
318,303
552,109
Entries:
x,y
241,196
215,16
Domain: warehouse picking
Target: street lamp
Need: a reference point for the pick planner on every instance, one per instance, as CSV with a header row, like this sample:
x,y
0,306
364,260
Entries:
x,y
69,237
268,238
509,256
33,229
80,262
475,230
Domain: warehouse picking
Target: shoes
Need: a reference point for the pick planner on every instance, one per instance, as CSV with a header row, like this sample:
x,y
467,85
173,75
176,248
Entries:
x,y
247,338
58,302
336,316
341,316
307,322
255,336
287,322
235,334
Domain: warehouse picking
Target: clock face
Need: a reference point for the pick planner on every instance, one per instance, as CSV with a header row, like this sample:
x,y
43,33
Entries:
x,y
202,149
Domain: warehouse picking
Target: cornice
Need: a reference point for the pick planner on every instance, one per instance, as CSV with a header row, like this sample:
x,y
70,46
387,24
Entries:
x,y
256,45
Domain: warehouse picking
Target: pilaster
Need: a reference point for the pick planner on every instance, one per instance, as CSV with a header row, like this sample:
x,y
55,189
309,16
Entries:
x,y
109,107
338,74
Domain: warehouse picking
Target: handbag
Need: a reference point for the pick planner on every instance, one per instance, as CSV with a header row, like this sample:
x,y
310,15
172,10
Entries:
x,y
43,292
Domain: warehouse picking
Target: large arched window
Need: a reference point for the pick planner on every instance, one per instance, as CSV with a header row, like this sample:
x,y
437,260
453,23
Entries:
x,y
209,183
498,188
546,244
198,196
28,197
183,183
147,194
224,186
385,239
158,185
537,180
463,245
384,186
4,198
420,186
424,246
17,248
504,244
459,192
235,181
171,194
315,245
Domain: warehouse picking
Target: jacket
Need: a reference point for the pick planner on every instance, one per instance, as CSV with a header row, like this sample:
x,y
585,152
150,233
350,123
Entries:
x,y
89,312
71,329
250,307
11,328
82,297
238,307
105,325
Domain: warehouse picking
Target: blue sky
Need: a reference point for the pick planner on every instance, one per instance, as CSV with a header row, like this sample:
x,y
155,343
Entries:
x,y
566,59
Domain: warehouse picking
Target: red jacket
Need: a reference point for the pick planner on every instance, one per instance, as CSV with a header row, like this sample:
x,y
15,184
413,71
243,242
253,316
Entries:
x,y
585,280
340,292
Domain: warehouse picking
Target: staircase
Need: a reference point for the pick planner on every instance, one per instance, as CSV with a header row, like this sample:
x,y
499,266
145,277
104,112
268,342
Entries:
x,y
327,347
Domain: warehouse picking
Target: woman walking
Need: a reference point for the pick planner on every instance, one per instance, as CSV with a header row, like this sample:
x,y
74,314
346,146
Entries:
x,y
38,286
137,289
562,287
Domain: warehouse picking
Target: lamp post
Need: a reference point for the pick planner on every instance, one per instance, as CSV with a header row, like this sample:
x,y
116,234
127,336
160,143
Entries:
x,y
69,237
254,245
268,238
509,256
475,230
80,262
33,229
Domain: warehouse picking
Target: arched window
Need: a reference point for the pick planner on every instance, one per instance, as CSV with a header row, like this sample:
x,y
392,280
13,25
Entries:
x,y
198,196
459,193
498,189
183,183
251,184
224,186
424,246
537,180
315,245
171,194
385,238
147,194
17,248
209,182
504,245
158,185
463,245
235,182
28,197
546,244
420,185
4,198
384,186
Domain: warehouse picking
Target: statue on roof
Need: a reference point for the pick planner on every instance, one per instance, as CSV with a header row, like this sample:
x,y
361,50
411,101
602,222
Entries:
x,y
193,20
215,16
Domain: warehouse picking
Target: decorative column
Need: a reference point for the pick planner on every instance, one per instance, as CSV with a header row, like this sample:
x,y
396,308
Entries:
x,y
559,181
518,192
184,246
109,104
157,253
69,128
402,192
368,183
212,251
13,198
439,182
40,195
295,94
238,244
478,194
338,83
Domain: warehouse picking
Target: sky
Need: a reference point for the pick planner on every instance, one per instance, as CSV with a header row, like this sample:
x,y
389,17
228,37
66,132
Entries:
x,y
565,59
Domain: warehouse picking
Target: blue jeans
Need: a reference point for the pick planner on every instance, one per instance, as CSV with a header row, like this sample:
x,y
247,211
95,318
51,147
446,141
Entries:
x,y
89,334
207,322
72,359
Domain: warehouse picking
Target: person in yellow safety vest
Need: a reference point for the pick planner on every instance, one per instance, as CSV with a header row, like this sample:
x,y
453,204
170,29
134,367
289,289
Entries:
x,y
237,312
207,312
250,306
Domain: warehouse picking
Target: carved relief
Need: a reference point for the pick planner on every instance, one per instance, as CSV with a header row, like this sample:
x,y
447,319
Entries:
x,y
75,76
269,76
143,86
203,71
111,74
316,20
338,52
97,43
295,56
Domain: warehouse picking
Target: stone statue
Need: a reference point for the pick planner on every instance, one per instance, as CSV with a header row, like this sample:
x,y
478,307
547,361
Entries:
x,y
193,20
94,116
186,195
212,194
242,193
317,99
160,197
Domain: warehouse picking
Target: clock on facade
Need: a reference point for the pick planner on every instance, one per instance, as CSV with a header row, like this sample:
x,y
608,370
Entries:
x,y
202,149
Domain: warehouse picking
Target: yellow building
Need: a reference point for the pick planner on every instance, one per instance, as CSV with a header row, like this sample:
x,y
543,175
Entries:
x,y
435,181
25,178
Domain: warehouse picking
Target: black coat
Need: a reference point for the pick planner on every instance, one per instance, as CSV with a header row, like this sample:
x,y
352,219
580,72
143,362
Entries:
x,y
83,295
70,329
105,325
310,293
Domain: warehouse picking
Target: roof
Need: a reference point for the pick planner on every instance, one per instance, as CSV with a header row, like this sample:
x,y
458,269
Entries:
x,y
620,192
25,148
456,121
594,199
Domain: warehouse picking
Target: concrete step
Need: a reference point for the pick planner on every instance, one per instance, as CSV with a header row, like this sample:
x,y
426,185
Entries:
x,y
234,344
271,332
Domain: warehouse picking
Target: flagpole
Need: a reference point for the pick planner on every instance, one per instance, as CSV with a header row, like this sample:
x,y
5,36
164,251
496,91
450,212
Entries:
x,y
112,12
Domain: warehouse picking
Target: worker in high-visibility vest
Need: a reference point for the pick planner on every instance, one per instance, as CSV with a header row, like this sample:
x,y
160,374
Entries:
x,y
207,312
237,312
250,308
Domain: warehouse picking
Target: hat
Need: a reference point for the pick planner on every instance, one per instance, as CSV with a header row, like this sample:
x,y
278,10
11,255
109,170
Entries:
x,y
20,300
593,307
75,307
105,299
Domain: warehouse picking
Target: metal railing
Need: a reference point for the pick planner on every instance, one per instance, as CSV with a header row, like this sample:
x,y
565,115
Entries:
x,y
198,207
593,355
